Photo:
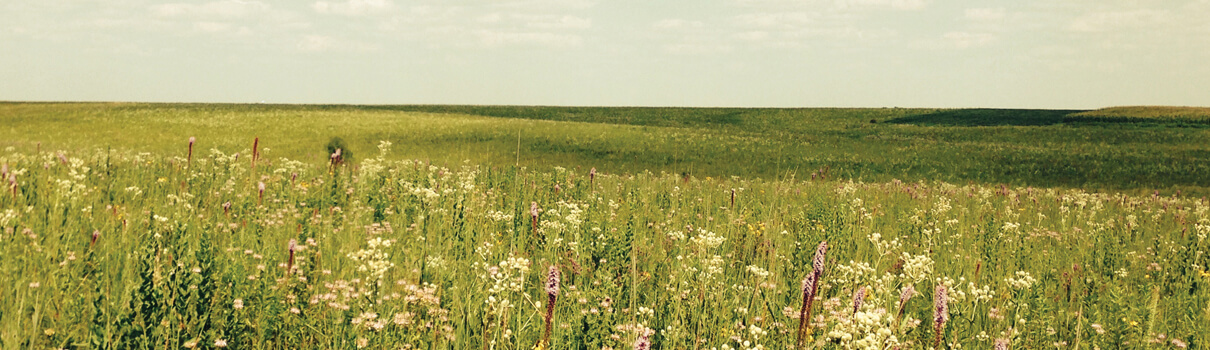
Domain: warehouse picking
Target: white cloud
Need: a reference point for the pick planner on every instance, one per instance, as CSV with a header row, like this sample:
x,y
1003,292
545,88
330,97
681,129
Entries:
x,y
985,14
223,9
784,20
325,43
676,23
500,38
755,35
883,4
967,39
1108,21
352,7
697,48
558,22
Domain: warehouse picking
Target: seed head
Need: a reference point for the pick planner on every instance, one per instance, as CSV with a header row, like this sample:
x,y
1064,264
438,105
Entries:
x,y
552,281
192,140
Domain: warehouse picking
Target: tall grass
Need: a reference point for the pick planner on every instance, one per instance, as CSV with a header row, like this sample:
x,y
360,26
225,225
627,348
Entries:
x,y
108,249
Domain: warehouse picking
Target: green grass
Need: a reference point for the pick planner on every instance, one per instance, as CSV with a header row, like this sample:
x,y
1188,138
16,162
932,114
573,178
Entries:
x,y
1176,116
695,232
400,254
1016,147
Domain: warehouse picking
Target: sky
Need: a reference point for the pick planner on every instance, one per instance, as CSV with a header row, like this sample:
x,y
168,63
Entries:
x,y
741,53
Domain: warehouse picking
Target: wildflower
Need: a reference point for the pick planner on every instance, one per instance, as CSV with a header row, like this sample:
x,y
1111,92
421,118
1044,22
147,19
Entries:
x,y
1001,344
1097,327
940,313
221,343
362,342
552,292
95,234
35,284
818,262
552,281
906,295
858,298
642,343
238,304
1179,344
810,286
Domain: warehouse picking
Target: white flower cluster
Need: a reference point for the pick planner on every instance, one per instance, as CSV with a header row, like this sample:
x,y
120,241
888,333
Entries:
x,y
884,247
867,329
9,216
373,260
707,240
506,278
498,216
758,272
981,295
425,194
711,267
917,268
853,273
564,216
749,340
1022,280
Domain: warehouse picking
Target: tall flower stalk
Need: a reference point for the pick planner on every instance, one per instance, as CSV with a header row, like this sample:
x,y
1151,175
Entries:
x,y
552,293
940,313
810,286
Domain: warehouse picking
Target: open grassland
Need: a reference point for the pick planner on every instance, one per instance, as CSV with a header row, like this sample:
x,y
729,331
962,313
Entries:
x,y
161,226
117,250
1180,116
988,146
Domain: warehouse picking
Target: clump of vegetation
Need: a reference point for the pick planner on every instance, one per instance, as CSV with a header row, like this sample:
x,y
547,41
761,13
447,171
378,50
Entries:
x,y
338,151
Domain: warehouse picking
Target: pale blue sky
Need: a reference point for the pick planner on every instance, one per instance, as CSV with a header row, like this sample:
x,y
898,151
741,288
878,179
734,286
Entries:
x,y
792,53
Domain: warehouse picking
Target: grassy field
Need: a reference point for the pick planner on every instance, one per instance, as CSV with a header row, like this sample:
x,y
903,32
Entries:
x,y
114,250
627,228
1177,116
1015,147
